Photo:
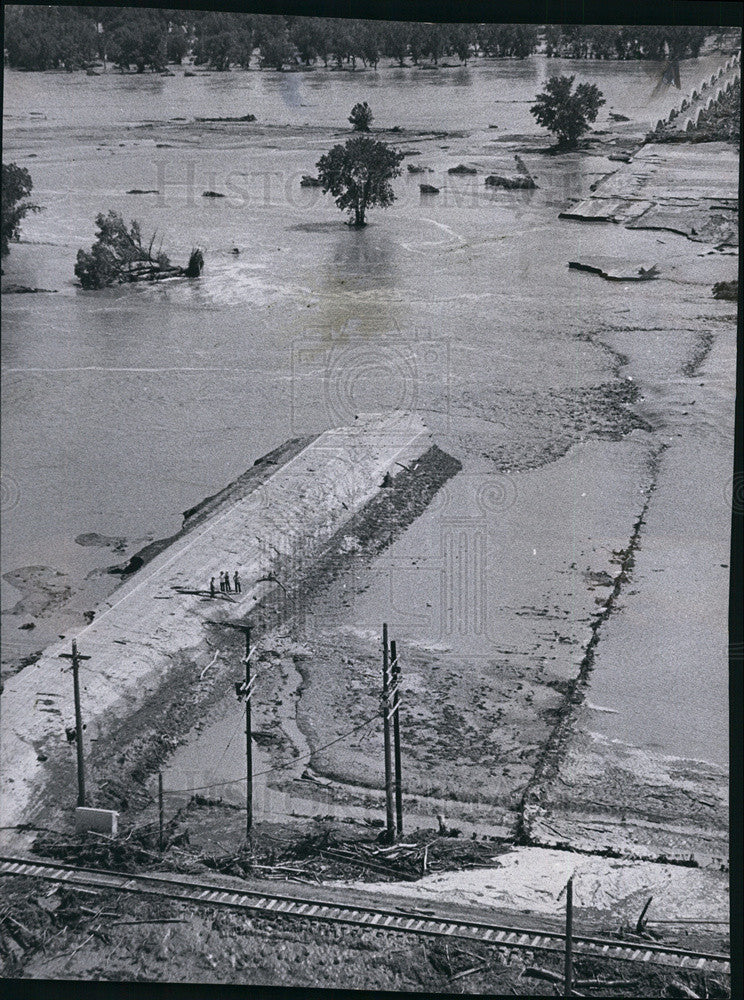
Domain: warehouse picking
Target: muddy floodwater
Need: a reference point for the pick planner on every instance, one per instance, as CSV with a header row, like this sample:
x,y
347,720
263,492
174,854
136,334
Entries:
x,y
125,407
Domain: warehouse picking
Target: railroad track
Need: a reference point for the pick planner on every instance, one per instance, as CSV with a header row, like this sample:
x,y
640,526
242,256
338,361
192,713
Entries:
x,y
396,918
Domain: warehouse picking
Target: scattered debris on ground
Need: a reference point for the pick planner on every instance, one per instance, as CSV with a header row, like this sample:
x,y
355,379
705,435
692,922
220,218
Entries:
x,y
316,851
60,932
241,118
332,854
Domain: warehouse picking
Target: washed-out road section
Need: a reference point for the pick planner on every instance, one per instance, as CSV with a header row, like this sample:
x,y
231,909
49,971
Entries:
x,y
160,611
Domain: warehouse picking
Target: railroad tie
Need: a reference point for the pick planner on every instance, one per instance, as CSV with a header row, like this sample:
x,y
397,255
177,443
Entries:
x,y
513,937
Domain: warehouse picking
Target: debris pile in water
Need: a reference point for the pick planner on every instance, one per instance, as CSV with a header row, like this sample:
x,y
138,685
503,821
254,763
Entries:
x,y
118,256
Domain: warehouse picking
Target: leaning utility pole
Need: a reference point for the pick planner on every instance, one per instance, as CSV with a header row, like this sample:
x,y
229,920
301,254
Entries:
x,y
76,657
243,690
386,733
395,672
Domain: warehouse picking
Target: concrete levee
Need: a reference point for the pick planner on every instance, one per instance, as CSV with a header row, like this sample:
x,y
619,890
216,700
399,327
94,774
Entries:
x,y
707,93
158,614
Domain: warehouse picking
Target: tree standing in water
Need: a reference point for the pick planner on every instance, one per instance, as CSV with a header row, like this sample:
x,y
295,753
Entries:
x,y
567,114
361,117
358,175
17,185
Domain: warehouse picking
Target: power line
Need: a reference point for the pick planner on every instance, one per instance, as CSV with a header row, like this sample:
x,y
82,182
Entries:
x,y
229,742
271,770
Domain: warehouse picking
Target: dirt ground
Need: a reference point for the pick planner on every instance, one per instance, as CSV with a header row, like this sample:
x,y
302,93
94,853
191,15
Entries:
x,y
60,933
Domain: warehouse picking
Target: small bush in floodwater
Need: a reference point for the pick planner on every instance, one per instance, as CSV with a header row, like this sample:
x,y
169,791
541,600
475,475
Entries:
x,y
361,117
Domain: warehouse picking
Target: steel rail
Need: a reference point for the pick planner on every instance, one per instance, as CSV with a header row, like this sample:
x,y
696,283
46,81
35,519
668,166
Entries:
x,y
378,918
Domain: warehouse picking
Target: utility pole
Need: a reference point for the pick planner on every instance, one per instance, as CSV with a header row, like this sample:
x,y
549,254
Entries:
x,y
395,672
389,809
248,736
160,811
243,690
568,963
76,657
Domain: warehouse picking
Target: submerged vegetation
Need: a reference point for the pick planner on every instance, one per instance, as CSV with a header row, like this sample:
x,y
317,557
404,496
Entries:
x,y
17,186
358,175
567,113
118,256
46,37
361,117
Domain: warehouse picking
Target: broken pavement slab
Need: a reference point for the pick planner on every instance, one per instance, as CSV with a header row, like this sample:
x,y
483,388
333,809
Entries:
x,y
606,210
613,269
662,173
684,189
702,223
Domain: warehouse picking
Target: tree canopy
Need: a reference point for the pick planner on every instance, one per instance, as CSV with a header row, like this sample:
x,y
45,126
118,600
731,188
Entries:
x,y
115,250
118,255
565,113
41,37
614,41
361,117
358,175
46,37
17,186
139,40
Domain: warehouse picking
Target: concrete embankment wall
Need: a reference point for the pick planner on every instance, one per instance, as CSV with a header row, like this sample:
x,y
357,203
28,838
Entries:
x,y
147,624
702,98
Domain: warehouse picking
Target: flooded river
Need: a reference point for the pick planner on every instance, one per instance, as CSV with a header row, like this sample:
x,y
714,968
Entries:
x,y
122,408
494,91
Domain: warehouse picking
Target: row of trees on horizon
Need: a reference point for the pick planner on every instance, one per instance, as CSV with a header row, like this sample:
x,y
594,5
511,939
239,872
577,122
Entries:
x,y
46,37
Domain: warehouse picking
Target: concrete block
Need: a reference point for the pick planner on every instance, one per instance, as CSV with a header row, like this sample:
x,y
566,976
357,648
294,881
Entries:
x,y
100,820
